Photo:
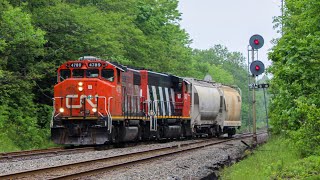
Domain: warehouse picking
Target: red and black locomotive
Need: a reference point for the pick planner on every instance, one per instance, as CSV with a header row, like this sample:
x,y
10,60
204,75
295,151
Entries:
x,y
97,102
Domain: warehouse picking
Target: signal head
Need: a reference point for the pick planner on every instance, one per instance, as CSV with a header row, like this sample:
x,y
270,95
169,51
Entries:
x,y
256,41
257,67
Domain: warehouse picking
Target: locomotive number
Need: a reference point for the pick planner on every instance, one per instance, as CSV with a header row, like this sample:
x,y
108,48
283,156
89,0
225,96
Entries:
x,y
76,65
94,64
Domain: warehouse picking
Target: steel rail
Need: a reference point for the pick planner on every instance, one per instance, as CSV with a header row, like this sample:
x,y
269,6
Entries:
x,y
41,152
146,155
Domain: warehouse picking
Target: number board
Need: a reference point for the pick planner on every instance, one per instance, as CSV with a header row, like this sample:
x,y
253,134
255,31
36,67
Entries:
x,y
76,65
94,64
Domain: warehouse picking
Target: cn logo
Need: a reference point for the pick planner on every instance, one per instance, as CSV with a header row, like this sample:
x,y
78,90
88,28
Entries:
x,y
80,105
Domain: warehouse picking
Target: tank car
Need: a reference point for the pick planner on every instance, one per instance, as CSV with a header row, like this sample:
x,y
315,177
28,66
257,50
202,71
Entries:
x,y
98,102
215,108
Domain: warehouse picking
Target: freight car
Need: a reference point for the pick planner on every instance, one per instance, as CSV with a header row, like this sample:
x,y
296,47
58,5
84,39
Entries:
x,y
98,102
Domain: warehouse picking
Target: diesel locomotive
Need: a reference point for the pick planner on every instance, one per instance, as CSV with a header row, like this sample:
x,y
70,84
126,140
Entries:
x,y
98,102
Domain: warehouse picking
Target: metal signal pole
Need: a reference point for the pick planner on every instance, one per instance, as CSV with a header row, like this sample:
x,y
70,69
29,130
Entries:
x,y
257,68
265,106
254,127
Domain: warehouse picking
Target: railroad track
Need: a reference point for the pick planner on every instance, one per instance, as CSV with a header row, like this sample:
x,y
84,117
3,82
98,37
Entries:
x,y
41,152
91,167
49,151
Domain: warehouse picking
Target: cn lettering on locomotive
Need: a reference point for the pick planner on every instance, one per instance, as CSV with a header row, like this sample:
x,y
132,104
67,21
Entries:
x,y
98,102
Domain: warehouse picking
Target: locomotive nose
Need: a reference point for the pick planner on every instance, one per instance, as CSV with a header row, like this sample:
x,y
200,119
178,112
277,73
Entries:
x,y
80,98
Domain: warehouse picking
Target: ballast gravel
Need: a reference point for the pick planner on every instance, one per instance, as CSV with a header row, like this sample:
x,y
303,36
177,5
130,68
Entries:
x,y
30,164
200,164
197,164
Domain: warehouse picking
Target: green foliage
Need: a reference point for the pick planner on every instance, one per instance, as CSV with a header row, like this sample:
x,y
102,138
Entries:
x,y
37,36
296,72
265,162
307,137
21,44
307,168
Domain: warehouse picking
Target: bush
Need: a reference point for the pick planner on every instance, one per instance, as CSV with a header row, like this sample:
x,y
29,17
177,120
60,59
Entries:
x,y
302,169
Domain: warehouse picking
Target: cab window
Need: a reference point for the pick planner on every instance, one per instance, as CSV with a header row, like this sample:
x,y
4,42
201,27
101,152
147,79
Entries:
x,y
64,74
92,73
108,74
78,73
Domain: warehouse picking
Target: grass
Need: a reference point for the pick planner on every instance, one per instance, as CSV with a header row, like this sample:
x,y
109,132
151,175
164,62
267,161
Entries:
x,y
6,145
267,159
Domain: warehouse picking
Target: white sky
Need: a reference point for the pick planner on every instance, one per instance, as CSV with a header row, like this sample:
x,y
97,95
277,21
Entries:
x,y
230,23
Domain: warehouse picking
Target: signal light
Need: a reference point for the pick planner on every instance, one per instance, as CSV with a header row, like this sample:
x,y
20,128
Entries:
x,y
257,67
256,41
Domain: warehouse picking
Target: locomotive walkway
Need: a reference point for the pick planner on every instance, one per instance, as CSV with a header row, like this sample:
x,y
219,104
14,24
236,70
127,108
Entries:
x,y
92,167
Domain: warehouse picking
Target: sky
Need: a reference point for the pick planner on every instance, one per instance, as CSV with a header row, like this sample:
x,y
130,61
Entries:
x,y
230,23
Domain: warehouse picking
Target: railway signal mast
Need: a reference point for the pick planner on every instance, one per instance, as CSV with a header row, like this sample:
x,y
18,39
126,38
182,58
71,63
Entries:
x,y
256,68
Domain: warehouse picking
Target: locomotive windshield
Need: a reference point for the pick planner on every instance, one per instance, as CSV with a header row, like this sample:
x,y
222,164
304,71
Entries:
x,y
92,73
64,74
78,73
108,74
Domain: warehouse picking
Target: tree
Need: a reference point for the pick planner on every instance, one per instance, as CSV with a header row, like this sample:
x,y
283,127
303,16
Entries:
x,y
296,72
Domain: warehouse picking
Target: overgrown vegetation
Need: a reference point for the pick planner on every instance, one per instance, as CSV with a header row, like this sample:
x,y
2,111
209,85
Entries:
x,y
278,159
37,36
296,76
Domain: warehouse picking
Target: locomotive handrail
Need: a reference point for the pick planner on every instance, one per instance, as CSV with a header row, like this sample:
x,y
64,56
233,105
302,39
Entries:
x,y
156,107
109,116
153,118
54,110
109,120
109,124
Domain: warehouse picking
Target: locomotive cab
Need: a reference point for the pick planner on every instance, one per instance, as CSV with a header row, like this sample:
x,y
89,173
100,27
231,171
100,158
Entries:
x,y
84,97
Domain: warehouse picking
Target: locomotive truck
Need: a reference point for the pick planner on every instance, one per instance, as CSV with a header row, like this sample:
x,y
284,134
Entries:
x,y
98,102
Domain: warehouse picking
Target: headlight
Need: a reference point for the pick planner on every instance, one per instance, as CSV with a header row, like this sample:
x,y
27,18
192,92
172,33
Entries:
x,y
80,88
80,83
94,110
61,110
